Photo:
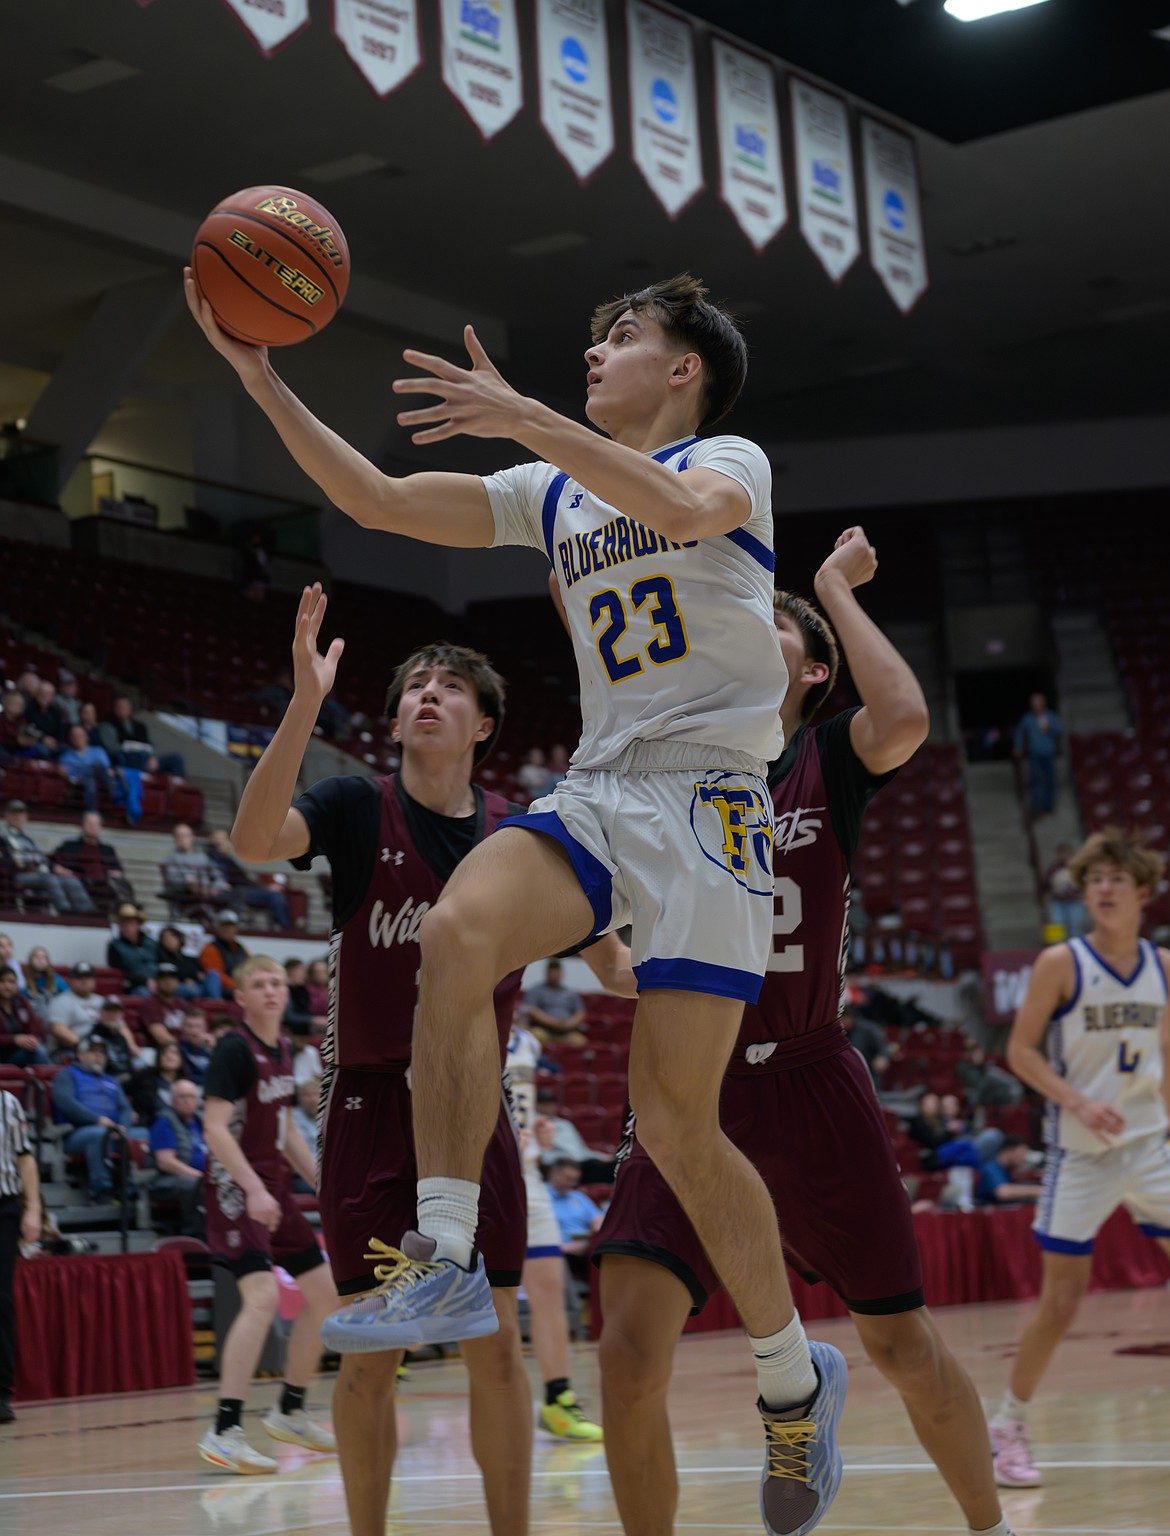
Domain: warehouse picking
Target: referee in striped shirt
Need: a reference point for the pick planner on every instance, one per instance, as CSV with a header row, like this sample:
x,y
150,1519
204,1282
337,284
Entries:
x,y
20,1221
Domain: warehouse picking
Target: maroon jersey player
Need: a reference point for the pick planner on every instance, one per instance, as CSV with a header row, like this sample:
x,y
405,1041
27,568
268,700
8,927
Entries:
x,y
392,843
797,1098
253,1221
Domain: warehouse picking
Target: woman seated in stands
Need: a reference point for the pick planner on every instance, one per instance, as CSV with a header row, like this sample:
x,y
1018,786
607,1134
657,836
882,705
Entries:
x,y
41,982
150,1090
192,980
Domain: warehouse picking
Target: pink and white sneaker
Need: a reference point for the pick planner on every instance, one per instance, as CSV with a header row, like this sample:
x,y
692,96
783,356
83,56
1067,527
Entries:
x,y
1012,1455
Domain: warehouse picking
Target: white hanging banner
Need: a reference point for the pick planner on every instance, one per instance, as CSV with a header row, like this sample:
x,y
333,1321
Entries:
x,y
664,111
381,37
575,107
750,174
481,60
271,23
824,177
893,211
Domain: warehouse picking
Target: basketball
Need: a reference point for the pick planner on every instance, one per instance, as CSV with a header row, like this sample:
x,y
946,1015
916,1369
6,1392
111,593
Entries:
x,y
273,264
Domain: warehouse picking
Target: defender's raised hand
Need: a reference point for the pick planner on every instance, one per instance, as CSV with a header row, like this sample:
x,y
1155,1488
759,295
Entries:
x,y
476,401
854,558
313,674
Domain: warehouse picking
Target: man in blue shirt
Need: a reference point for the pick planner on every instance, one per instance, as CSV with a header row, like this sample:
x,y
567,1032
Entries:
x,y
577,1216
88,766
86,1097
180,1155
996,1183
1038,738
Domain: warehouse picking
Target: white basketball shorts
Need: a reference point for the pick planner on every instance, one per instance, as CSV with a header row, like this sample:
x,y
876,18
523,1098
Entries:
x,y
544,1236
1083,1189
682,853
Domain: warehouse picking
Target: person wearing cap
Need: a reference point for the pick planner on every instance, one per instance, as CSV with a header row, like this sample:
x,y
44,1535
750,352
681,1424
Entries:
x,y
73,1013
162,1015
87,1098
20,1028
224,954
32,870
68,696
133,952
124,1055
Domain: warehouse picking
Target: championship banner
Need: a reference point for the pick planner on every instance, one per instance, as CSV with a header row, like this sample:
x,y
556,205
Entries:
x,y
1006,974
381,37
751,181
481,60
270,23
893,210
824,177
573,57
664,112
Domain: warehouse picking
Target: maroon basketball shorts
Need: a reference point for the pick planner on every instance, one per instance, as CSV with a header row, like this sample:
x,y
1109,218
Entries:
x,y
368,1180
245,1245
816,1134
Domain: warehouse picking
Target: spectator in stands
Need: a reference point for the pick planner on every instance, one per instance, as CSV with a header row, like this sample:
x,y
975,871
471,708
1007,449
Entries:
x,y
276,695
20,1028
193,982
180,1155
1066,909
41,982
188,874
997,1182
150,1089
87,1098
127,742
44,717
870,1042
224,954
558,767
577,1216
596,1167
552,1011
133,952
16,740
306,1057
318,985
533,772
21,1221
32,871
124,1055
95,864
1038,739
88,766
984,1082
28,682
162,1015
7,949
74,1012
299,1013
305,1108
88,719
196,1044
68,696
244,890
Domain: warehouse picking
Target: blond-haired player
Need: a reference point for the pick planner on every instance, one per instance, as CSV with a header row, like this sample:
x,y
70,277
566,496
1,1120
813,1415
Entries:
x,y
1099,1005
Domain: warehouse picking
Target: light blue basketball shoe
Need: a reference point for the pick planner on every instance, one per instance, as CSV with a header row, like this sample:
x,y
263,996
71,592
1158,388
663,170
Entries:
x,y
419,1300
802,1472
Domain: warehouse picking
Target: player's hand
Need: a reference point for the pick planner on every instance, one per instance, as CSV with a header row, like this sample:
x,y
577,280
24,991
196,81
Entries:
x,y
313,674
263,1208
475,401
30,1227
854,558
248,361
1100,1118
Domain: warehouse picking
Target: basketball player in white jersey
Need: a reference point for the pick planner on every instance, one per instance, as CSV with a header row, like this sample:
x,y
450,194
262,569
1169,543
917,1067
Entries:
x,y
1100,1005
662,545
543,1275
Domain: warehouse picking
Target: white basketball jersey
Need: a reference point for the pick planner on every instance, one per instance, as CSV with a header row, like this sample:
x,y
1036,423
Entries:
x,y
673,641
520,1076
1107,1044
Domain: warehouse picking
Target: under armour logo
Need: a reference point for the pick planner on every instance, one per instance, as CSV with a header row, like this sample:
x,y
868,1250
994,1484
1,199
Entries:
x,y
354,1102
387,856
576,501
758,1054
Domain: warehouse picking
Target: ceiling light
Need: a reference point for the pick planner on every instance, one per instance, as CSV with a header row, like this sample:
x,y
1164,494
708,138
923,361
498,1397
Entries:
x,y
978,10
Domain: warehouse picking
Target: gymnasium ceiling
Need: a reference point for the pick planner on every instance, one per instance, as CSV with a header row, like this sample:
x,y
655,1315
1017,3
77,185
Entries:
x,y
1044,141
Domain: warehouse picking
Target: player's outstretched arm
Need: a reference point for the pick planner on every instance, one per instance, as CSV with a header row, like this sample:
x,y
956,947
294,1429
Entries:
x,y
436,508
266,825
893,720
1052,985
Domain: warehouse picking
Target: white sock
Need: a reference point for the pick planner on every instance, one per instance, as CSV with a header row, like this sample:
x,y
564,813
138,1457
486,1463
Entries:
x,y
1000,1528
784,1367
1012,1410
448,1211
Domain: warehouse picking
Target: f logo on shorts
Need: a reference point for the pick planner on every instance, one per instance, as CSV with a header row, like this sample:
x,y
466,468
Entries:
x,y
732,821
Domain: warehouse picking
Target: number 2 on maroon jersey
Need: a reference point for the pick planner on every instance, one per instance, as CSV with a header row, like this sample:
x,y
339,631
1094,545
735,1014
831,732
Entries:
x,y
787,916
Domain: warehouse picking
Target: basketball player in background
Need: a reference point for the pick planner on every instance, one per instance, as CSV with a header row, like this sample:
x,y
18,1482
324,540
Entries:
x,y
1092,1035
253,1221
663,545
798,1100
392,843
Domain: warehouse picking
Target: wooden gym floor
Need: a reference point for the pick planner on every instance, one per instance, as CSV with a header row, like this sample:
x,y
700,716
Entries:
x,y
1101,1432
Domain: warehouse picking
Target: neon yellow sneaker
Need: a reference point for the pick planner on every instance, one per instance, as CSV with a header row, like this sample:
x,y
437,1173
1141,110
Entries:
x,y
565,1420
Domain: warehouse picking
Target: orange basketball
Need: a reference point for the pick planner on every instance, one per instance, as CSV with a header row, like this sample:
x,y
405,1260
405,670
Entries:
x,y
272,263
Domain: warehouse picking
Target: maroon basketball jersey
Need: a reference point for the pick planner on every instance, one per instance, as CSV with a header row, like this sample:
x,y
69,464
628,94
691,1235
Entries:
x,y
804,987
375,955
258,1119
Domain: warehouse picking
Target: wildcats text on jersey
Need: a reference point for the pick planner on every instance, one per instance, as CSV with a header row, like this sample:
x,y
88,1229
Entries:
x,y
614,543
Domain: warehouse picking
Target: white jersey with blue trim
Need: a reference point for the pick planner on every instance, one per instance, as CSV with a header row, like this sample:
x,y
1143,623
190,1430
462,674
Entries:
x,y
520,1077
674,642
1106,1042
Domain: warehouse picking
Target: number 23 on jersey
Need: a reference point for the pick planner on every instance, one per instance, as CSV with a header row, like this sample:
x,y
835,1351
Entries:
x,y
611,610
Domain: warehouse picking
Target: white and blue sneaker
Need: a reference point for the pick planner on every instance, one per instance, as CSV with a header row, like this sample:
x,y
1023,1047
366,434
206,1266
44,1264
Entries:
x,y
419,1300
802,1472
